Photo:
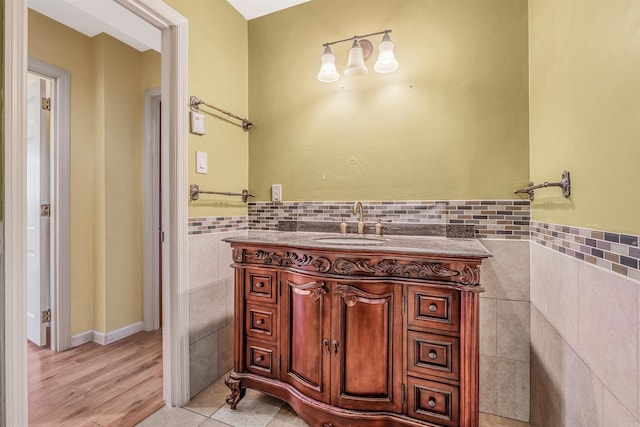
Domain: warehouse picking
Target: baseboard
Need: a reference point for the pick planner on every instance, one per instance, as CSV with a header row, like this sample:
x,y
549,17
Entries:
x,y
81,338
104,339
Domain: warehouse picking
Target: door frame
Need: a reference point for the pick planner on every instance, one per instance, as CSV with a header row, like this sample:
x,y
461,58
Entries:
x,y
59,260
175,337
150,202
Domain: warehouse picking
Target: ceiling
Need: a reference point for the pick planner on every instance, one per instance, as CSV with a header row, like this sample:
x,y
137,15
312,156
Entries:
x,y
106,16
255,8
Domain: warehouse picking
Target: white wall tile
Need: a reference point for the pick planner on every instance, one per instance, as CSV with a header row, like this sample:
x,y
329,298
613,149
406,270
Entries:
x,y
504,387
564,390
488,326
506,274
203,259
609,331
224,254
513,330
615,415
554,290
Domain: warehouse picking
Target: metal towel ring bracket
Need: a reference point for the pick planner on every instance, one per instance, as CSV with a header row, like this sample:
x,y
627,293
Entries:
x,y
564,183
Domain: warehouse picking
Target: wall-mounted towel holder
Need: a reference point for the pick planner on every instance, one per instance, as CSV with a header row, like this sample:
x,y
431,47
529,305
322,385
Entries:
x,y
195,192
195,102
564,183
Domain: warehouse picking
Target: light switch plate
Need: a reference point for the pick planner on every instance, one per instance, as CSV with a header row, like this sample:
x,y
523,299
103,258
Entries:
x,y
197,123
201,162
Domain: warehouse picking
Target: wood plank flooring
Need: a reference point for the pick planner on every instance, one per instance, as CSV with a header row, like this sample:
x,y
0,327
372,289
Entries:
x,y
118,384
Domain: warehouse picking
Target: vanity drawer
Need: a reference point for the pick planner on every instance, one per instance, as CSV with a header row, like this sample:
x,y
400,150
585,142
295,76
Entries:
x,y
262,359
261,285
434,308
433,354
434,402
261,322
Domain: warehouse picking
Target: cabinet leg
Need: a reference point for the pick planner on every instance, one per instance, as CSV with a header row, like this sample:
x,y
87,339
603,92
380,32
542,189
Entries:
x,y
237,392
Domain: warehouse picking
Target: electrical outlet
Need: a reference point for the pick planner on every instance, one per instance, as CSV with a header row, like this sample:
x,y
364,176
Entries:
x,y
276,193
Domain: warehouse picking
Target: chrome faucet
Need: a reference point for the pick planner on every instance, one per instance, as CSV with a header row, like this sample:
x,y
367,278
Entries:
x,y
358,207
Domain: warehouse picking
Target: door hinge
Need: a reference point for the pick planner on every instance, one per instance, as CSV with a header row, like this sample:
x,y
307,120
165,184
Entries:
x,y
162,236
404,394
46,104
45,209
46,316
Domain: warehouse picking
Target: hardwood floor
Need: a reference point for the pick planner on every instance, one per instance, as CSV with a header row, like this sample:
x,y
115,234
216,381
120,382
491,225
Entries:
x,y
118,384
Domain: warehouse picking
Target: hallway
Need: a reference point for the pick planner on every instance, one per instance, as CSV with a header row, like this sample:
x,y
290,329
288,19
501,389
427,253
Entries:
x,y
94,385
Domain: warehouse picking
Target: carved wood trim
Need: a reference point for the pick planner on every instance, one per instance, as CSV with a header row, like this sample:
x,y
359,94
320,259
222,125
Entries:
x,y
456,271
351,294
238,255
320,264
315,290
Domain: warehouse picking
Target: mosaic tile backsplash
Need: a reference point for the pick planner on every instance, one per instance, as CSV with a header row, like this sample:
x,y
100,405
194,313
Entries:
x,y
619,253
506,219
216,224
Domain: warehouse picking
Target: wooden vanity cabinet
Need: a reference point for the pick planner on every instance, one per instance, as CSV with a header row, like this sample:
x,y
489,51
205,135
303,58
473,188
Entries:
x,y
352,339
343,342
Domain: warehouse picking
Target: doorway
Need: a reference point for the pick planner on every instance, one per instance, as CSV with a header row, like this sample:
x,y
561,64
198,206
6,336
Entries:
x,y
174,202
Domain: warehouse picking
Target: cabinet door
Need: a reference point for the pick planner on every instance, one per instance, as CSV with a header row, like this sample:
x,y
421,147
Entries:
x,y
366,367
306,329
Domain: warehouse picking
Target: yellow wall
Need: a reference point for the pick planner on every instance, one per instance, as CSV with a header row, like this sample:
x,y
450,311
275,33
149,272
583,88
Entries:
x,y
107,85
450,123
70,50
218,74
585,99
123,179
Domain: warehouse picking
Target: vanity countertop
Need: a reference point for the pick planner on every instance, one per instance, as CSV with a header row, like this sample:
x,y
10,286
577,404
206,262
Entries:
x,y
416,245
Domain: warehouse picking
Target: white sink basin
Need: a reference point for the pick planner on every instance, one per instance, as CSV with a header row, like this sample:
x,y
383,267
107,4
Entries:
x,y
350,240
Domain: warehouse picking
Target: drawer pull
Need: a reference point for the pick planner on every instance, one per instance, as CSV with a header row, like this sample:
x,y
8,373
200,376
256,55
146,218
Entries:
x,y
259,321
433,307
432,354
259,359
431,402
260,285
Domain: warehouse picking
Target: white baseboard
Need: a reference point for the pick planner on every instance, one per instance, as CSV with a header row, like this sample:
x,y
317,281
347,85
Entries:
x,y
102,338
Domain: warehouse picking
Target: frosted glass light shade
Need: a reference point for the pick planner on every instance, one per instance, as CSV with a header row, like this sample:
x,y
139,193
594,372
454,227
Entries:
x,y
386,62
355,64
328,72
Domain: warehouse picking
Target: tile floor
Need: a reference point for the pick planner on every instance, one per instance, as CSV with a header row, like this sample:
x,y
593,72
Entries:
x,y
208,409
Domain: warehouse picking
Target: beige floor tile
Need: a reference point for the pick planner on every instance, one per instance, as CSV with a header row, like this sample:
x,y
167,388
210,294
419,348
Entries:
x,y
487,420
210,399
287,418
254,410
171,417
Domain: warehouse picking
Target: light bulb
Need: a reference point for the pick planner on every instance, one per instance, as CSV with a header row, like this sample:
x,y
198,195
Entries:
x,y
328,72
386,62
355,64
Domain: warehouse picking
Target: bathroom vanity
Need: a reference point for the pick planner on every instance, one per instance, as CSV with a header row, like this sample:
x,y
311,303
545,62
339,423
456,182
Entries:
x,y
359,331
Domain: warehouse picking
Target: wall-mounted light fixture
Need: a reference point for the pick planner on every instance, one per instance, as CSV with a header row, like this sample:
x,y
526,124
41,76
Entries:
x,y
361,50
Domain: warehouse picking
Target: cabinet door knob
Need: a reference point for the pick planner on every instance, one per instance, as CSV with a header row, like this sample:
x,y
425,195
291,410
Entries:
x,y
259,322
335,347
259,359
325,343
432,354
431,402
260,285
433,307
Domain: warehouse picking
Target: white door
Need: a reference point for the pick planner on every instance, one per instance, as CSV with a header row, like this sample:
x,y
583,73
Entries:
x,y
37,225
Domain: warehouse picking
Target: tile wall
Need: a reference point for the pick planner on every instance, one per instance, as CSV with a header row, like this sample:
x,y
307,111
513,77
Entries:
x,y
211,298
585,317
500,219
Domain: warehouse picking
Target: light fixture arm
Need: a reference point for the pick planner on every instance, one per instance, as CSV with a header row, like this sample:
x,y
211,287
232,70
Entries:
x,y
356,37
